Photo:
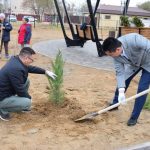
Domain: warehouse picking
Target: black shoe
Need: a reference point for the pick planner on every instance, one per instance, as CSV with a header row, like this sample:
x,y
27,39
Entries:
x,y
113,109
4,117
131,122
26,110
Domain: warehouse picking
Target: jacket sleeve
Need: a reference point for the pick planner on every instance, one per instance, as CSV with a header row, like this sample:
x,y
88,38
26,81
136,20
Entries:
x,y
27,36
8,27
37,70
120,73
141,42
18,83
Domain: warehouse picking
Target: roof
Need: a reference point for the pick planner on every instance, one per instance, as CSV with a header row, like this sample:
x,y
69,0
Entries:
x,y
132,11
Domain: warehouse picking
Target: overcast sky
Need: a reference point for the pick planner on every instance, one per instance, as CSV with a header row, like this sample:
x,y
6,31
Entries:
x,y
111,2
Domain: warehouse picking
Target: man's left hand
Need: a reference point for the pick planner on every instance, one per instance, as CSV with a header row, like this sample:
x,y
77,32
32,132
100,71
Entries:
x,y
121,97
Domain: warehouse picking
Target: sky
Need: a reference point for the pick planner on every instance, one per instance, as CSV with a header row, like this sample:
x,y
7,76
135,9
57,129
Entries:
x,y
133,3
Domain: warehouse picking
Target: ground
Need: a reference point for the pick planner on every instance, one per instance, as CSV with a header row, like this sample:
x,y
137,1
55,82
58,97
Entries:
x,y
50,127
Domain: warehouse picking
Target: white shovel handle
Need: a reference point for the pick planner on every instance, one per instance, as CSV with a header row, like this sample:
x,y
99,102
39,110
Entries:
x,y
128,99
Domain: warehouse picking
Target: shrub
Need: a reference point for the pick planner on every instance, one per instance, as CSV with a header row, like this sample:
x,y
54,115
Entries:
x,y
124,21
147,104
137,22
56,94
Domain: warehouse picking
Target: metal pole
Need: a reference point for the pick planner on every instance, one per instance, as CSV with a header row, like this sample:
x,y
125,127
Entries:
x,y
98,44
60,18
126,7
69,22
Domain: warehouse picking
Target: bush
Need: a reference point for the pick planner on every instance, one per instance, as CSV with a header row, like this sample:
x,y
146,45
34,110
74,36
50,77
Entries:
x,y
147,104
56,94
124,21
137,22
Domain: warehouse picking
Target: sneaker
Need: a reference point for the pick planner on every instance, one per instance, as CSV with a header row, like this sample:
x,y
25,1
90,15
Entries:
x,y
131,122
4,117
26,110
7,56
113,109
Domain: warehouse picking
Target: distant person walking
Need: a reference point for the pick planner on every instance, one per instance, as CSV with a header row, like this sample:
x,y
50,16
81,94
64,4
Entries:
x,y
5,28
24,33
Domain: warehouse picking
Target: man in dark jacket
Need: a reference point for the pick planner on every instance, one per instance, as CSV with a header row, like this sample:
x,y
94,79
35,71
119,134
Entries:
x,y
14,83
5,29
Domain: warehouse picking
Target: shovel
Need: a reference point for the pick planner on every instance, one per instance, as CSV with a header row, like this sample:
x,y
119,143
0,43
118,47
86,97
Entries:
x,y
94,114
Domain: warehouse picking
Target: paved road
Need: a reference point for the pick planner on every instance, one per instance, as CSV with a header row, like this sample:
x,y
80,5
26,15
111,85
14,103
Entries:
x,y
86,56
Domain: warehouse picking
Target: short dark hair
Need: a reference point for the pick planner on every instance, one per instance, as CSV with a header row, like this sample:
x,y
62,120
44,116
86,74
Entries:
x,y
111,44
26,51
26,19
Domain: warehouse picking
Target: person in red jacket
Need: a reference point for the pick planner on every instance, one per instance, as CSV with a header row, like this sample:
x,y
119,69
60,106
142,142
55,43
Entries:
x,y
24,33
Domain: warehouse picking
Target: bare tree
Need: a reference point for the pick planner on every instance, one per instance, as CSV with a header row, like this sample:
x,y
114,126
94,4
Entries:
x,y
39,7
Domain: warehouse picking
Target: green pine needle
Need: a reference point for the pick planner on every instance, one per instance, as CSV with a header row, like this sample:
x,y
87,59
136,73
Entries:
x,y
56,93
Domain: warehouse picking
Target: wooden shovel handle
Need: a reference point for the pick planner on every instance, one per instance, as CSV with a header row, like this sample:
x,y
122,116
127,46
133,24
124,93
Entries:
x,y
128,99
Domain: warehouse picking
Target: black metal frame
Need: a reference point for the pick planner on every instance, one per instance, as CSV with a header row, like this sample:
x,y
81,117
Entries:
x,y
93,23
69,42
76,41
125,10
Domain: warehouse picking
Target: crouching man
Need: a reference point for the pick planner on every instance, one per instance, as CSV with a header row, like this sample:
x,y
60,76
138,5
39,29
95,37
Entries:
x,y
14,83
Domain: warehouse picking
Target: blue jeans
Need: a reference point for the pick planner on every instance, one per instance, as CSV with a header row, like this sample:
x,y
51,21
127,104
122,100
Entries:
x,y
143,85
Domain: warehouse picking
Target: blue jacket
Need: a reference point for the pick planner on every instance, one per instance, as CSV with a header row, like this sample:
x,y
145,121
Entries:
x,y
6,31
13,77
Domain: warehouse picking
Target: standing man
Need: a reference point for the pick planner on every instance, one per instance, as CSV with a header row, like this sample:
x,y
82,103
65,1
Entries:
x,y
5,29
14,83
24,33
134,50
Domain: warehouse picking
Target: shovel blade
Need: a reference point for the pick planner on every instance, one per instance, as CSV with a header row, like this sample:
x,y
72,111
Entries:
x,y
87,117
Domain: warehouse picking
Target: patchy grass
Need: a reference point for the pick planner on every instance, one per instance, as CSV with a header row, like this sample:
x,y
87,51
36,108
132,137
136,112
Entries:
x,y
147,104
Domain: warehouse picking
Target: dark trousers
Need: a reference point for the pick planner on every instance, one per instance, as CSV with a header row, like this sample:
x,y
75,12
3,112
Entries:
x,y
5,47
143,85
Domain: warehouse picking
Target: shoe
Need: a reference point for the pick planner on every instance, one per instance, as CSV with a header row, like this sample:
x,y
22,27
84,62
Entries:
x,y
26,110
113,109
131,122
4,117
7,56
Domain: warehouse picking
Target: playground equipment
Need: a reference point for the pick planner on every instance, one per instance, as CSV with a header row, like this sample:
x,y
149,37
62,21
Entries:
x,y
81,36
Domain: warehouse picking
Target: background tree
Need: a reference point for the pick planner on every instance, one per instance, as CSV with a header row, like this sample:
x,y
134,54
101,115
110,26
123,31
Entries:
x,y
39,7
1,8
145,6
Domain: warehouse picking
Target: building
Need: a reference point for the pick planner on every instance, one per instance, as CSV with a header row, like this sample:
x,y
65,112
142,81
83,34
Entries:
x,y
109,15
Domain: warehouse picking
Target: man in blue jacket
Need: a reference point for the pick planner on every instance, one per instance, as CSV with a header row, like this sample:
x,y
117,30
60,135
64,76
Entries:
x,y
131,54
14,83
5,29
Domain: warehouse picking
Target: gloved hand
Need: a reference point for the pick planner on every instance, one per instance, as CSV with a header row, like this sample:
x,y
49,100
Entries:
x,y
50,74
121,97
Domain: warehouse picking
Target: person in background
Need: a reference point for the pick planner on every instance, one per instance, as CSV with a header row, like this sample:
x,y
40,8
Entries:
x,y
5,29
14,83
131,54
25,33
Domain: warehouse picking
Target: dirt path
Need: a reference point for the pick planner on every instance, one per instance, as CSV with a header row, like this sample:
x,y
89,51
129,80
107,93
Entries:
x,y
48,127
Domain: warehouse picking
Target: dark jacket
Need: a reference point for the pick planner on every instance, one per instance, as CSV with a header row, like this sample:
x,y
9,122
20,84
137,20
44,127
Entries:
x,y
6,31
13,77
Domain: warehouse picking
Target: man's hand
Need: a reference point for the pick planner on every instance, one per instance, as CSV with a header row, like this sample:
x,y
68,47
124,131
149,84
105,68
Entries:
x,y
121,97
50,74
